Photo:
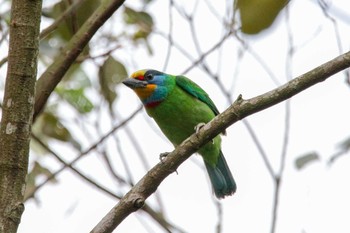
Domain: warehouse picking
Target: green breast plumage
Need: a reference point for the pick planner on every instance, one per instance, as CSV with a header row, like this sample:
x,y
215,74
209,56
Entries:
x,y
178,105
177,117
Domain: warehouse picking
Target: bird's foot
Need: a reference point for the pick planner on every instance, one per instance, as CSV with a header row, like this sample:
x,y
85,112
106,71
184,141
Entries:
x,y
163,155
198,127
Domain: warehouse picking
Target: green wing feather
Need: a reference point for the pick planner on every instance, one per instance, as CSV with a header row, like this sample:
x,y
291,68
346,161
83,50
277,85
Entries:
x,y
196,91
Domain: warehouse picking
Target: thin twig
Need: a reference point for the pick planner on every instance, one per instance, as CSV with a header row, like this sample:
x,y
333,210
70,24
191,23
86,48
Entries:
x,y
170,37
279,176
155,215
124,162
76,171
259,147
220,216
203,55
81,155
325,7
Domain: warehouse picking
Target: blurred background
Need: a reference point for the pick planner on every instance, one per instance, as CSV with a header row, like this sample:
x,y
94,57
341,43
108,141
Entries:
x,y
93,141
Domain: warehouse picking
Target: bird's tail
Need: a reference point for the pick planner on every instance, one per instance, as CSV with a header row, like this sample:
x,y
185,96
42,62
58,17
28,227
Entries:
x,y
221,178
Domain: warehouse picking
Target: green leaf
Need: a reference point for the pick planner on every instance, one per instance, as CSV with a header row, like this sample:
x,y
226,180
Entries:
x,y
343,148
36,171
70,25
76,77
306,159
72,88
111,73
344,145
48,126
72,22
76,98
142,20
146,2
52,127
257,15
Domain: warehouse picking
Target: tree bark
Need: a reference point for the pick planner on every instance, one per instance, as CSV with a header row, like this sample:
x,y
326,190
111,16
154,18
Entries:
x,y
17,111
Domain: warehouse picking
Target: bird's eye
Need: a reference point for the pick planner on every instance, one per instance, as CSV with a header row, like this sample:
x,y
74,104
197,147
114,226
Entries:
x,y
148,77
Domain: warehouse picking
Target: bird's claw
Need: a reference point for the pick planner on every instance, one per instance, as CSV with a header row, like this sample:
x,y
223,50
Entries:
x,y
198,127
163,155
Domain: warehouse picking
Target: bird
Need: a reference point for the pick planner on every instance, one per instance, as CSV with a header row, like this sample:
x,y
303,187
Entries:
x,y
179,106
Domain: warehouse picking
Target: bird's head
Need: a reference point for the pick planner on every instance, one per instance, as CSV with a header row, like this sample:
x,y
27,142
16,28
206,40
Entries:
x,y
151,86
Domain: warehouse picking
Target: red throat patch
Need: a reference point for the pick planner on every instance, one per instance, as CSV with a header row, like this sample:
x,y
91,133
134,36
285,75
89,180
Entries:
x,y
153,104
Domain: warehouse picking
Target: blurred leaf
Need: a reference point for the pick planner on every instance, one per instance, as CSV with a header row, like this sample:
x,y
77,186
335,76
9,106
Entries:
x,y
36,147
72,88
142,20
344,145
147,1
76,98
49,126
111,73
306,159
47,49
73,21
257,15
140,34
343,148
76,77
36,171
52,127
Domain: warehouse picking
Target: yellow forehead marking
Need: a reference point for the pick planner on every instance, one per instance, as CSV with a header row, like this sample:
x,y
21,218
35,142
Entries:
x,y
139,73
145,92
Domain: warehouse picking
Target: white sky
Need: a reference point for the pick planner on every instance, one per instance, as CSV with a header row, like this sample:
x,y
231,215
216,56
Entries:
x,y
313,200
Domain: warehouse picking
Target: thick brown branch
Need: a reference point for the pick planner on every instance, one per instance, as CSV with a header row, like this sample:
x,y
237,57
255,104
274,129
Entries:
x,y
18,110
54,73
240,109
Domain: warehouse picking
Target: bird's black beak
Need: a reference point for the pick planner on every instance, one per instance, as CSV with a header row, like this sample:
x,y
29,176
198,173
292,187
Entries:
x,y
135,83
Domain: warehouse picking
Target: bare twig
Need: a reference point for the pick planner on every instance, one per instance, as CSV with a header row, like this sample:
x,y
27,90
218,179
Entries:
x,y
157,216
81,155
76,171
82,58
170,36
259,147
259,59
325,7
279,176
220,216
203,55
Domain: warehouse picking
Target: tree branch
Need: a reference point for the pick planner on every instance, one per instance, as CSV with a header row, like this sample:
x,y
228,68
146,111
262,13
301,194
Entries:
x,y
82,154
17,112
70,10
55,72
156,215
240,109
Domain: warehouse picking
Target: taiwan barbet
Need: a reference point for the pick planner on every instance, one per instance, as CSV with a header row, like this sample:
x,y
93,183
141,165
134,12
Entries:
x,y
179,106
